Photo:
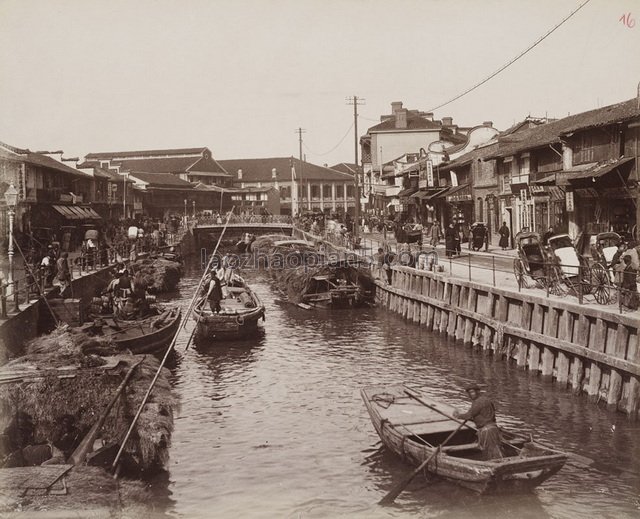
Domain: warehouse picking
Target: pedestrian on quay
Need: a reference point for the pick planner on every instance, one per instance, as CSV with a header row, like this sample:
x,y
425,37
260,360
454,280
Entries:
x,y
450,240
435,234
63,275
504,236
545,237
483,414
629,285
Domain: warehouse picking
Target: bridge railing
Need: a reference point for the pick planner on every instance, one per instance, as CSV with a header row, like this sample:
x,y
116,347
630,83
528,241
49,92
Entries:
x,y
253,219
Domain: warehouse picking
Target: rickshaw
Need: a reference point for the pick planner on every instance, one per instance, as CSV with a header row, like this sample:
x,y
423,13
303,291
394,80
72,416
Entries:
x,y
534,268
575,272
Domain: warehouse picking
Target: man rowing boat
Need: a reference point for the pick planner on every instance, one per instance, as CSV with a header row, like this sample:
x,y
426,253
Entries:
x,y
483,413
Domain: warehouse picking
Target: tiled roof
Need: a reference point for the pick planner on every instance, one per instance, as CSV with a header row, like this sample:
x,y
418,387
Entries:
x,y
170,165
346,167
481,152
161,180
259,170
36,159
144,153
413,123
551,132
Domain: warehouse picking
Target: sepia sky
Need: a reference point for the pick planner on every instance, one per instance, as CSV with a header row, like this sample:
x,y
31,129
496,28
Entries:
x,y
240,76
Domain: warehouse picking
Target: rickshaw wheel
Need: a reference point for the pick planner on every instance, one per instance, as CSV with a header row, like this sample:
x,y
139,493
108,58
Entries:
x,y
555,282
518,270
587,277
601,284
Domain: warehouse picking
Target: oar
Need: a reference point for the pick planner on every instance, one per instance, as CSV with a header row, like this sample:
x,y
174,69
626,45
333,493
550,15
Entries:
x,y
395,491
86,444
580,459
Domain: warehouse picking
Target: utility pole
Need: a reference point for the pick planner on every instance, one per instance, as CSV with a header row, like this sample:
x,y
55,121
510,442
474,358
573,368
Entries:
x,y
355,101
300,131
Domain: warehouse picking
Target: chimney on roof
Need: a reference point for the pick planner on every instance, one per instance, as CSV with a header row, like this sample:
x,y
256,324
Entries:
x,y
401,119
274,173
488,124
447,121
72,162
239,174
428,116
396,106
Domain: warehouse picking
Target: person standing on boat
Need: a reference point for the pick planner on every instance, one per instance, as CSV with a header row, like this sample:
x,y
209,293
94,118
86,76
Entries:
x,y
483,414
214,294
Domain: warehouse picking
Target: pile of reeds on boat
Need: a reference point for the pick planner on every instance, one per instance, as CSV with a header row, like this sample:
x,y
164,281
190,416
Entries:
x,y
52,396
309,276
158,273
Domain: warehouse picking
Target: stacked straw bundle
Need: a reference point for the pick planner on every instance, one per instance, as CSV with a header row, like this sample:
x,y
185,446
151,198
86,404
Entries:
x,y
85,392
157,274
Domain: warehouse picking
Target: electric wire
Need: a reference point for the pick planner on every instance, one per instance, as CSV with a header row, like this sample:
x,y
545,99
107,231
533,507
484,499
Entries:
x,y
332,149
538,41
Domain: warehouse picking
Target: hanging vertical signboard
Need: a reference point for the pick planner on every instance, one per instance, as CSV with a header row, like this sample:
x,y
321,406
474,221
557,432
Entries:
x,y
569,201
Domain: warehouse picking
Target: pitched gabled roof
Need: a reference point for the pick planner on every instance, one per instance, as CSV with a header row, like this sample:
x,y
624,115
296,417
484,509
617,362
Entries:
x,y
259,170
414,122
12,153
161,180
551,133
481,152
145,153
170,165
346,167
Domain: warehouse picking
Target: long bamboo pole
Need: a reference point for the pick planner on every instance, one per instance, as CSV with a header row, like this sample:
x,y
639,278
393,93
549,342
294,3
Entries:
x,y
166,354
209,263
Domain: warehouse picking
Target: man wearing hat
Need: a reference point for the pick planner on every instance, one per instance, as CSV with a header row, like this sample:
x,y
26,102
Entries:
x,y
483,414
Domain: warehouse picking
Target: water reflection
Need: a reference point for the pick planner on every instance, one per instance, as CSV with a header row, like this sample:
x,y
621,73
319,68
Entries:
x,y
276,427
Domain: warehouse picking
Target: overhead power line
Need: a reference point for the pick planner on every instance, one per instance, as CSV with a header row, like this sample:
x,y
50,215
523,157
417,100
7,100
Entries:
x,y
332,149
539,40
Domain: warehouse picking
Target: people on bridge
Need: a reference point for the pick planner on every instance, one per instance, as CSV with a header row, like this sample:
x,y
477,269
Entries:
x,y
483,414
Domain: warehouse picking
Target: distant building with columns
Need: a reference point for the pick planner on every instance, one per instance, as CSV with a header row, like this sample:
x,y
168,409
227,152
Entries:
x,y
303,186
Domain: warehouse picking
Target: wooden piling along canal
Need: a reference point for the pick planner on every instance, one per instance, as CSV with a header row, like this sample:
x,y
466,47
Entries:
x,y
583,348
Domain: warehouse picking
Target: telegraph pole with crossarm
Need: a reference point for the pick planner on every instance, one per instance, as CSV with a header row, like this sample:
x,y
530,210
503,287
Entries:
x,y
355,101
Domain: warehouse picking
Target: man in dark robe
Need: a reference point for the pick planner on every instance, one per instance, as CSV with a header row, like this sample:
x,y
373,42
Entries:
x,y
483,414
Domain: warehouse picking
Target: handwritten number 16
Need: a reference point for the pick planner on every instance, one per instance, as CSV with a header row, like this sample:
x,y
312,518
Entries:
x,y
628,21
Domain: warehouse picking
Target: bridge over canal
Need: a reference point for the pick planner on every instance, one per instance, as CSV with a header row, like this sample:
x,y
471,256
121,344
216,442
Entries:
x,y
207,230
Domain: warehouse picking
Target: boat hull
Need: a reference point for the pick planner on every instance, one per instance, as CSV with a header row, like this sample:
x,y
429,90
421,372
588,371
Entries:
x,y
406,430
234,321
227,326
146,336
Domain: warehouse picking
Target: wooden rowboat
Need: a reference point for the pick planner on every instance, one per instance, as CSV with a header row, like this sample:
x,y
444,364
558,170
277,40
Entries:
x,y
241,311
413,430
149,335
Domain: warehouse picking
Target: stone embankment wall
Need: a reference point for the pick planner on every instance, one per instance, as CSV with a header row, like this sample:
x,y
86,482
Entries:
x,y
589,350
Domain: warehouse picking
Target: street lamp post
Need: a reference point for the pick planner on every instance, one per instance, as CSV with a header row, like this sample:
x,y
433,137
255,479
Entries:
x,y
11,197
124,195
185,211
193,203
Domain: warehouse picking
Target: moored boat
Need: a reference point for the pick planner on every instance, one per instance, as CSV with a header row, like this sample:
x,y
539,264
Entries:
x,y
240,312
413,428
152,334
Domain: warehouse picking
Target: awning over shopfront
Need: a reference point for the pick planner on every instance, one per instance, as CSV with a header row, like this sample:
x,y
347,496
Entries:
x,y
67,212
594,172
406,193
71,212
460,193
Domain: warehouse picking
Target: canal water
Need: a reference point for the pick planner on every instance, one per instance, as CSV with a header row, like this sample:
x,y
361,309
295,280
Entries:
x,y
275,426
